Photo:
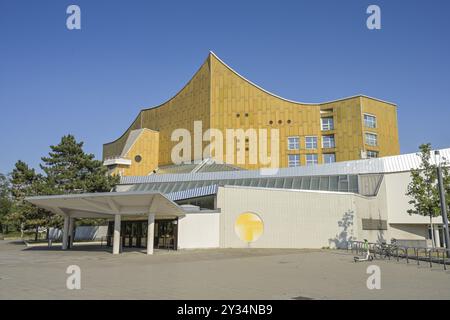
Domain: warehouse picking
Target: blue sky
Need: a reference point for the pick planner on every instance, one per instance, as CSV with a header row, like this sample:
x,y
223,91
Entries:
x,y
133,54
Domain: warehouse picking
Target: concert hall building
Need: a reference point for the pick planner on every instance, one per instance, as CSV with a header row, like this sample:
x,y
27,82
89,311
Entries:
x,y
340,176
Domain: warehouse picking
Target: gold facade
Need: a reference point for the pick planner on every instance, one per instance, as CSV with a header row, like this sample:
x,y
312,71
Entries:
x,y
222,99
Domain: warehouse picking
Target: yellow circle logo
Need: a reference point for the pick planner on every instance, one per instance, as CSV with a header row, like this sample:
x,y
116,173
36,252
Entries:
x,y
248,227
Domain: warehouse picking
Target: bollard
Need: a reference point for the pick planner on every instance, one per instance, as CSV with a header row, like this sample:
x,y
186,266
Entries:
x,y
407,255
431,264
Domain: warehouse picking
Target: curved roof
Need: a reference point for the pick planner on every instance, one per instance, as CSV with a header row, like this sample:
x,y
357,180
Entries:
x,y
211,53
292,101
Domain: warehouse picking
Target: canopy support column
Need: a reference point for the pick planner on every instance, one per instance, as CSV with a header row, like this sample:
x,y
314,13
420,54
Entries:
x,y
116,243
65,241
71,232
150,232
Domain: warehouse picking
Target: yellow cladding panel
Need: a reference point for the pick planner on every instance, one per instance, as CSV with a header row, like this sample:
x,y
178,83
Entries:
x,y
115,148
189,105
222,99
143,155
386,126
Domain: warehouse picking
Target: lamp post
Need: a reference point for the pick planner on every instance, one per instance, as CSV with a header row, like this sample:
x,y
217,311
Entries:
x,y
442,199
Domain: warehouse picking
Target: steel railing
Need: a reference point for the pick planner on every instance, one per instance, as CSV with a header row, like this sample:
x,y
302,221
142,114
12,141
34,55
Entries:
x,y
398,252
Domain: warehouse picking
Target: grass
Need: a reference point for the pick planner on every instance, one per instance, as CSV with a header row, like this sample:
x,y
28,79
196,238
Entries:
x,y
27,235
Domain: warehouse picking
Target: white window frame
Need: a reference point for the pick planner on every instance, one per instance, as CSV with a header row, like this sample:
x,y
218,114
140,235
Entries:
x,y
316,160
316,142
376,152
366,140
328,154
294,163
366,122
297,144
322,127
323,142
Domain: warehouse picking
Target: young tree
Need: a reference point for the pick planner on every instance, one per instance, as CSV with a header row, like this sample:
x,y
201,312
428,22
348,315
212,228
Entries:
x,y
423,188
5,202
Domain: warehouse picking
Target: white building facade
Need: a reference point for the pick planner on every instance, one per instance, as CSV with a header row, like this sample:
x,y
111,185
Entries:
x,y
303,207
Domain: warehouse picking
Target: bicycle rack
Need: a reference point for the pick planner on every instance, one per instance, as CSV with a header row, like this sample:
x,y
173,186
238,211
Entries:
x,y
403,252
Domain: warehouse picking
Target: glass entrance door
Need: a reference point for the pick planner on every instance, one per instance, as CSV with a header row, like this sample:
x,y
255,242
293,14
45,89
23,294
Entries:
x,y
134,234
166,232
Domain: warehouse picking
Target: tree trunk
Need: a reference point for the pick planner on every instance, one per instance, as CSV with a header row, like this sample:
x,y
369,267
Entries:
x,y
21,230
36,234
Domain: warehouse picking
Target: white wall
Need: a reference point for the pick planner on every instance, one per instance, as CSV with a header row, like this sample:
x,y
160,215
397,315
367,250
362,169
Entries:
x,y
198,230
409,231
91,232
397,200
315,219
82,232
292,218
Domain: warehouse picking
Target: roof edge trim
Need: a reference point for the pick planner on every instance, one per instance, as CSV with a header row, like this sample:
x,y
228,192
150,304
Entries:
x,y
292,101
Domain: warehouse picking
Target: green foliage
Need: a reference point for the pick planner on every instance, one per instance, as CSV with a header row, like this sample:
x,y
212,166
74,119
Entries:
x,y
67,169
5,200
26,182
70,170
423,189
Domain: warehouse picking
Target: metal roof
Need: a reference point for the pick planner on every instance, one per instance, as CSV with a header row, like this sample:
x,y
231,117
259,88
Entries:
x,y
366,185
207,165
106,204
193,193
368,166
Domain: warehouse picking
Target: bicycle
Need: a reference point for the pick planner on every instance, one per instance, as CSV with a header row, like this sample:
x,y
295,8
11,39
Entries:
x,y
384,250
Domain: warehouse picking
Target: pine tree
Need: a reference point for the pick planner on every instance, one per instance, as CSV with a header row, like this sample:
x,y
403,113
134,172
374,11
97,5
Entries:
x,y
70,170
25,182
5,202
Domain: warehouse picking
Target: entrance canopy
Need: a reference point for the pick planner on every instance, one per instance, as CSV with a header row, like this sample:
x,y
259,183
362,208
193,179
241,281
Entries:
x,y
108,204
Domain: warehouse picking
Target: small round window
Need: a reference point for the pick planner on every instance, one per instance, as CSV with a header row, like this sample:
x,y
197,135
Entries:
x,y
138,158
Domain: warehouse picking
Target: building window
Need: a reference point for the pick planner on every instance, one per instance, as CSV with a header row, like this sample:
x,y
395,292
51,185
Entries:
x,y
311,142
328,141
138,158
327,123
293,160
329,158
370,121
293,143
371,139
372,154
312,159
